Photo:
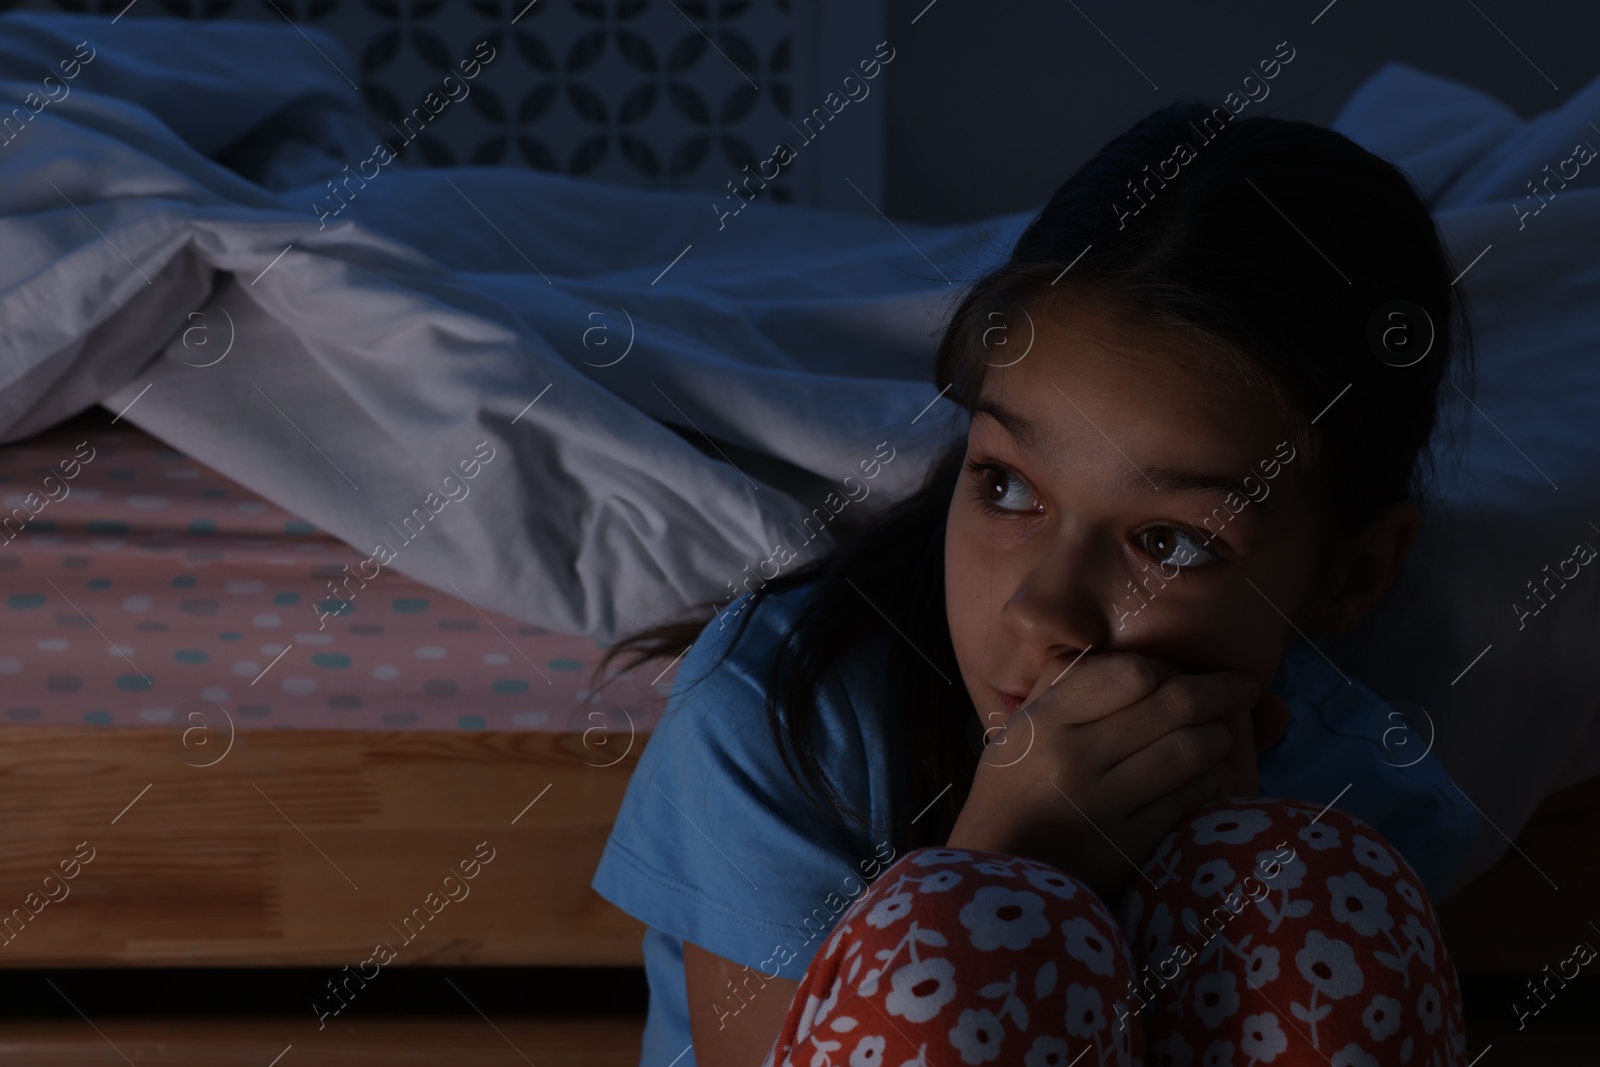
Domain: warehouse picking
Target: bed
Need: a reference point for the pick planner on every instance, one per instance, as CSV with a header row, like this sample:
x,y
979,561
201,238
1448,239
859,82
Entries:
x,y
255,789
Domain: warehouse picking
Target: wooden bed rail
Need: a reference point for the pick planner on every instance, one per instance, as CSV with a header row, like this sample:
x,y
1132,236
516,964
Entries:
x,y
314,847
122,846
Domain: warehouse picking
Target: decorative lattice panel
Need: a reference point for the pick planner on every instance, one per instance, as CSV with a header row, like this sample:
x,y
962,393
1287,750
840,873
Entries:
x,y
658,93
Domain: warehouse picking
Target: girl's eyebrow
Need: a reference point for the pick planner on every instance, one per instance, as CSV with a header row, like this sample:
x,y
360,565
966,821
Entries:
x,y
1034,438
1175,482
1029,435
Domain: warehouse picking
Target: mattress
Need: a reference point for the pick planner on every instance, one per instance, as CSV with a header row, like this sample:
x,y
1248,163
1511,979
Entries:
x,y
140,587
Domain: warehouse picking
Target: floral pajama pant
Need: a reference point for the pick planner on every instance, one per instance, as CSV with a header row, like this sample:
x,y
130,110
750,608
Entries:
x,y
1260,932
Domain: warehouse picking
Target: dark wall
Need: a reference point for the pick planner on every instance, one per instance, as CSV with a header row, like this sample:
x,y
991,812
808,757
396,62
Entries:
x,y
993,104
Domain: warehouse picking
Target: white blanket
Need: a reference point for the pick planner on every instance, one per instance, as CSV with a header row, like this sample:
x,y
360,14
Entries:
x,y
374,356
1519,485
160,211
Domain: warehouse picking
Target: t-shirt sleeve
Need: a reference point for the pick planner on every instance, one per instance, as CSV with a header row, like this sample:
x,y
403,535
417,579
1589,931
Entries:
x,y
1344,742
715,843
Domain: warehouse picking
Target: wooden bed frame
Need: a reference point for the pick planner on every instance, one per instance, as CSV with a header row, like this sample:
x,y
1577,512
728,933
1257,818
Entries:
x,y
313,846
303,846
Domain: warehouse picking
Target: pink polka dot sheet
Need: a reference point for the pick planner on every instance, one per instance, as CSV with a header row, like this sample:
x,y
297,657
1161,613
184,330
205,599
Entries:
x,y
140,587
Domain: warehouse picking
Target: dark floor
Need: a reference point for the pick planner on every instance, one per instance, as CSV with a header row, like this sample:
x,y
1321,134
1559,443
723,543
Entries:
x,y
233,992
1490,1000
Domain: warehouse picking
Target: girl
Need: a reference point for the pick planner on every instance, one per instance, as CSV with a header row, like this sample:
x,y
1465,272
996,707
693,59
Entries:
x,y
890,812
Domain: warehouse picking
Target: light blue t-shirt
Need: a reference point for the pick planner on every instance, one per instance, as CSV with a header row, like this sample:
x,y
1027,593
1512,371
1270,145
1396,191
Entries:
x,y
716,844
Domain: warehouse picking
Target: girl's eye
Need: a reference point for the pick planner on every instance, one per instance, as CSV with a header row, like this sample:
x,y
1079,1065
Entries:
x,y
1171,546
999,490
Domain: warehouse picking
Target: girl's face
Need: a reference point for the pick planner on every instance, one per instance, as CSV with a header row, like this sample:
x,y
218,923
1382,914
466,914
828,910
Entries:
x,y
1122,494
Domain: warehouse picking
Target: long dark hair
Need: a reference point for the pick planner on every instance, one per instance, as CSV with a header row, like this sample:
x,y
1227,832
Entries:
x,y
1287,247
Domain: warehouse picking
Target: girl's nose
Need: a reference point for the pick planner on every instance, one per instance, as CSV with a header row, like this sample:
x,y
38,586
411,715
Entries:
x,y
1058,607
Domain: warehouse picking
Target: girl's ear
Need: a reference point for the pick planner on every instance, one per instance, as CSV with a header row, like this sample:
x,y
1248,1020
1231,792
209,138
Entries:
x,y
1364,566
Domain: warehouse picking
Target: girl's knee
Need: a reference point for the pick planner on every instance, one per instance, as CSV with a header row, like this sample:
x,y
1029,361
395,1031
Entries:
x,y
1252,864
925,879
1271,884
1267,836
1268,923
986,904
951,942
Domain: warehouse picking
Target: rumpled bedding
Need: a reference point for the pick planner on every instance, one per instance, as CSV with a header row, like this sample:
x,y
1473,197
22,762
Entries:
x,y
671,394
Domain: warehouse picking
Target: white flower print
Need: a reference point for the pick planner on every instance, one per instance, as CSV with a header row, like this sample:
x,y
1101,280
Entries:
x,y
889,910
1230,827
1290,873
1420,937
1409,894
820,1057
939,881
1353,1055
929,857
828,1003
1085,1011
837,937
1372,855
977,1035
1158,934
1329,965
1359,905
868,1052
1173,1052
1044,983
1056,883
1428,1008
1046,1052
1218,1054
1382,1017
1261,967
1000,917
1216,997
1086,944
1262,1038
1005,869
1212,877
1121,1035
909,995
1319,836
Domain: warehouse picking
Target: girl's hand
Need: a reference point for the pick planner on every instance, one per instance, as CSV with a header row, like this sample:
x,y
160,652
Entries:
x,y
1121,750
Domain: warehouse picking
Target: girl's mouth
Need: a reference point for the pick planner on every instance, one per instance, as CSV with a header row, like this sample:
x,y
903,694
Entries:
x,y
1007,701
